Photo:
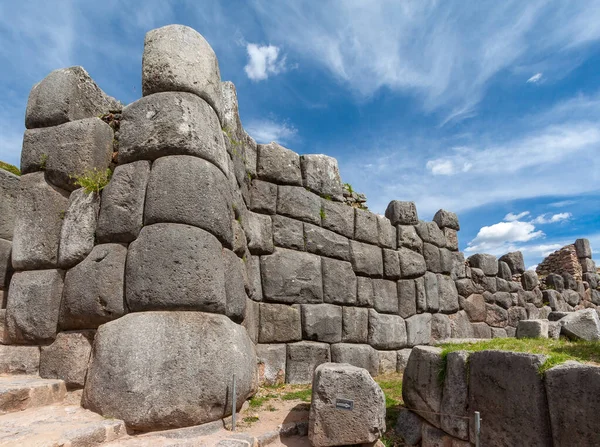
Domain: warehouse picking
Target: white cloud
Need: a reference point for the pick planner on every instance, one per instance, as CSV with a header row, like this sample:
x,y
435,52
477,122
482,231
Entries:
x,y
535,78
546,218
440,167
510,217
532,267
499,237
562,203
265,131
263,60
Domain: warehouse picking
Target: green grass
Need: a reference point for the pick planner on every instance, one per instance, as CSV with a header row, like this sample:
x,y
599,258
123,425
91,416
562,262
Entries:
x,y
93,180
391,385
10,168
258,401
557,351
250,419
303,395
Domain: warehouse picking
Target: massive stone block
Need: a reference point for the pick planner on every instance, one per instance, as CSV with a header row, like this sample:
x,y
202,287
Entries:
x,y
460,325
446,219
355,325
67,358
573,392
79,227
339,282
412,264
271,363
33,306
321,175
487,263
38,223
5,264
9,191
189,190
366,259
402,213
337,217
279,165
288,233
67,94
235,291
122,210
291,277
406,236
583,248
474,306
252,319
263,197
94,289
385,296
581,325
298,203
391,264
432,292
365,226
418,329
496,316
532,329
326,243
430,232
322,322
515,411
386,232
328,425
361,356
455,396
431,253
529,280
67,150
448,294
178,59
515,262
279,323
386,331
364,291
441,327
259,233
175,267
302,359
451,239
160,354
407,298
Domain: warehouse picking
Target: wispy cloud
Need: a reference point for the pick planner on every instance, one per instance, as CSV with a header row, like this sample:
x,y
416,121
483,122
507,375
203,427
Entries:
x,y
562,203
263,61
265,131
535,78
511,217
554,218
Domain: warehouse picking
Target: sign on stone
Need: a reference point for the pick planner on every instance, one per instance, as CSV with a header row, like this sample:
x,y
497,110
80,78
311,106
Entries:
x,y
344,404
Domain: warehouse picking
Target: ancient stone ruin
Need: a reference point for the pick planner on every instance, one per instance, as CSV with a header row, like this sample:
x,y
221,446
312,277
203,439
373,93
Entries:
x,y
207,255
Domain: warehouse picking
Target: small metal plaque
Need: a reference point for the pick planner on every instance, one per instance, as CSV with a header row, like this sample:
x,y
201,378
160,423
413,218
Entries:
x,y
344,404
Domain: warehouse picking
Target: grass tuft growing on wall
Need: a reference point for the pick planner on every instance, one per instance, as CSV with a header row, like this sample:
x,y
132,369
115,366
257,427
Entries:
x,y
93,180
10,168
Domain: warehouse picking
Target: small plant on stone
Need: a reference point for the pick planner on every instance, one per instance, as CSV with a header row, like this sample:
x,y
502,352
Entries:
x,y
10,168
93,180
348,188
62,214
322,213
43,161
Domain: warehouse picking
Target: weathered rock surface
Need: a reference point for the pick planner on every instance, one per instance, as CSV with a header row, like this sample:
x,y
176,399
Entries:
x,y
279,323
448,294
271,363
409,426
385,296
359,355
331,425
366,259
355,325
326,243
235,292
67,358
446,219
9,191
386,331
532,329
321,174
175,267
581,325
583,248
302,359
337,217
339,282
402,213
263,197
278,164
322,322
487,263
5,264
455,396
418,329
259,233
365,226
19,359
160,354
412,264
288,233
515,262
298,203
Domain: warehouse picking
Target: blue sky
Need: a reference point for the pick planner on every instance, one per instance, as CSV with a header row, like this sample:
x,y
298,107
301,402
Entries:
x,y
489,109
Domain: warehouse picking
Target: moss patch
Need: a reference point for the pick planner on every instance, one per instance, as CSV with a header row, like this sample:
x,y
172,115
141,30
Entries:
x,y
10,168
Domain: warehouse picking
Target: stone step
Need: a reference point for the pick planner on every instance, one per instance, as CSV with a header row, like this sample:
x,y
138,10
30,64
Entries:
x,y
21,392
58,425
19,359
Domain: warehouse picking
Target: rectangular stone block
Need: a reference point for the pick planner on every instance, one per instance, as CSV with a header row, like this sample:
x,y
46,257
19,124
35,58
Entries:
x,y
448,294
263,197
339,282
322,322
355,325
481,330
431,253
583,248
420,294
359,355
402,213
386,331
418,329
407,237
386,232
338,217
412,264
365,226
321,174
326,243
364,291
302,359
431,233
366,259
278,164
271,364
532,329
385,296
288,233
298,203
451,239
407,298
391,264
279,323
252,319
432,292
9,191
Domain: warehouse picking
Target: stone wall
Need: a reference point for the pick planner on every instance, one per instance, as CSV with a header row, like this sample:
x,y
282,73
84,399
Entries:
x,y
206,252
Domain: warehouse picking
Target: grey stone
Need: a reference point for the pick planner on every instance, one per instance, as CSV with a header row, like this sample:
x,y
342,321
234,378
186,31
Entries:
x,y
322,322
503,299
431,253
67,94
407,237
385,296
533,312
190,190
67,358
321,174
175,267
263,197
33,306
460,325
78,228
556,282
496,316
407,298
259,233
5,264
421,388
583,248
516,411
337,217
554,330
502,285
19,360
587,265
386,331
504,271
446,219
573,393
326,243
529,279
402,359
409,427
288,233
532,329
448,294
474,306
279,323
278,164
402,213
366,259
481,330
455,396
391,264
510,331
93,293
240,243
544,312
387,361
412,264
38,223
67,150
569,281
515,262
302,359
365,226
591,278
432,292
161,354
498,332
467,287
355,325
418,329
359,355
571,297
122,208
271,363
441,327
291,277
435,437
331,426
451,237
9,192
298,203
447,261
252,319
581,325
235,293
487,263
171,123
421,295
364,291
339,282
386,232
430,232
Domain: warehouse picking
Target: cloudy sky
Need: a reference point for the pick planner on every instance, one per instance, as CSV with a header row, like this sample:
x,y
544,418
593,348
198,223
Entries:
x,y
489,109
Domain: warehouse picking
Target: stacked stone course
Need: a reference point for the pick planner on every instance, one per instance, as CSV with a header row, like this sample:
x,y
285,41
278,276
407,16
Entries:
x,y
207,254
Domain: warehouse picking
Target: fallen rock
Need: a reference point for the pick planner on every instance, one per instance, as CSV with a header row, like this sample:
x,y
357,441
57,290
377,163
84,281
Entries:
x,y
581,325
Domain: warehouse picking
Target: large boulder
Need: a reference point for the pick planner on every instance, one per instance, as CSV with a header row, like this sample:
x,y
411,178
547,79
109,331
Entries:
x,y
326,243
487,263
279,323
347,407
9,191
322,322
321,174
455,396
175,267
446,219
402,213
160,354
278,164
581,325
178,59
515,262
67,94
